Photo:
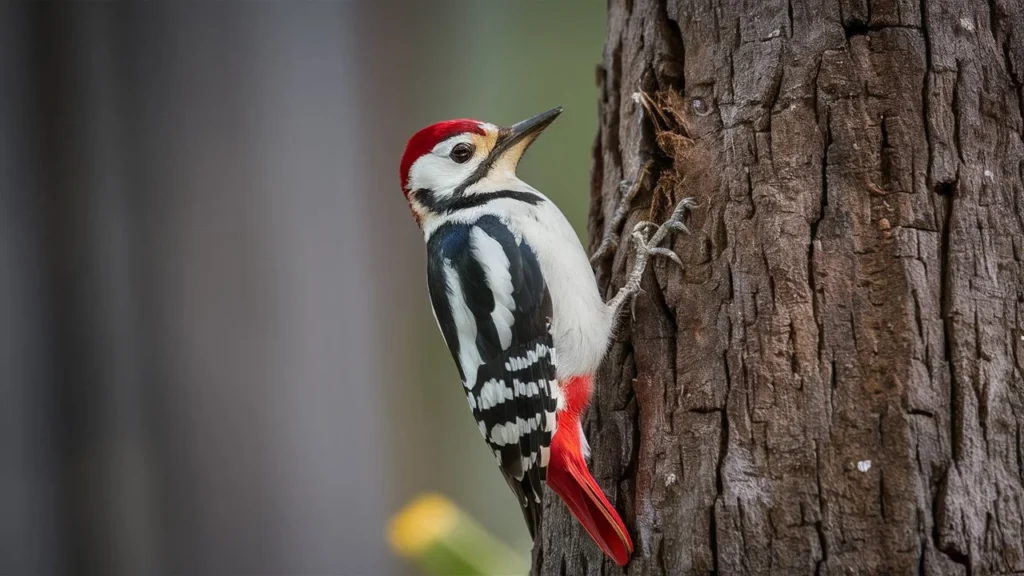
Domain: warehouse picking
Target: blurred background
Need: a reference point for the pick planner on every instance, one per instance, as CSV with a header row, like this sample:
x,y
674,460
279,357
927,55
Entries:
x,y
217,354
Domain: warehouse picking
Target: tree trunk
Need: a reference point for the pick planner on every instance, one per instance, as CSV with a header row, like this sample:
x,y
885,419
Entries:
x,y
833,383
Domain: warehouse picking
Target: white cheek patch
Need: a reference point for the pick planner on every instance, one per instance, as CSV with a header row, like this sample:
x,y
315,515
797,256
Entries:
x,y
439,173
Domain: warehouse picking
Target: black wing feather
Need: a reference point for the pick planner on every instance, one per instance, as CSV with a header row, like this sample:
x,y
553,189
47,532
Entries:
x,y
525,369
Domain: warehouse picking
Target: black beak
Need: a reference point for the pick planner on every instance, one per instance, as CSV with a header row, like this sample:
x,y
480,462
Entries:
x,y
527,129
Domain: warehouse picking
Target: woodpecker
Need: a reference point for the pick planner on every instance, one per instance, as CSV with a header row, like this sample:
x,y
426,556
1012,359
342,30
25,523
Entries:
x,y
517,303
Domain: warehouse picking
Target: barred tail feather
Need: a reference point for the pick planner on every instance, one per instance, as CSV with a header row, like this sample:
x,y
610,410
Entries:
x,y
569,478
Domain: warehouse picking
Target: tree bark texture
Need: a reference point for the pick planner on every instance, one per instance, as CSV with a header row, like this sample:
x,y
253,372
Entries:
x,y
833,382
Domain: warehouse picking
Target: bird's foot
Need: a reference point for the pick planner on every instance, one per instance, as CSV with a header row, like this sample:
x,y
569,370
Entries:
x,y
648,246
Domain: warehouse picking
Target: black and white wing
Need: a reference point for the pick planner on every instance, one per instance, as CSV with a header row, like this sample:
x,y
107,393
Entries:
x,y
494,309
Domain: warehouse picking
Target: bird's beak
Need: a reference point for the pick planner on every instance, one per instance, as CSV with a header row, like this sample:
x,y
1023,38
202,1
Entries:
x,y
532,127
515,139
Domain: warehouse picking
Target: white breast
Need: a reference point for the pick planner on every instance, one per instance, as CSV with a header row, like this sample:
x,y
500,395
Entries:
x,y
581,324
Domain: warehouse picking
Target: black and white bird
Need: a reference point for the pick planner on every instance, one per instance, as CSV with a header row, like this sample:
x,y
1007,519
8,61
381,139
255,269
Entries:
x,y
517,303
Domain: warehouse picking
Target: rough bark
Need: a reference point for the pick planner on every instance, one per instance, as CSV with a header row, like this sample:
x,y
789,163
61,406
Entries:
x,y
833,384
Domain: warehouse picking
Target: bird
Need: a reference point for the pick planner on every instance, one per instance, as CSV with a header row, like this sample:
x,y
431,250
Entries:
x,y
517,303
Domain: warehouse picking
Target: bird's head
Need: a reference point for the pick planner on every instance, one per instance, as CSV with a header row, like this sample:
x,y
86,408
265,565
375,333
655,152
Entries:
x,y
456,159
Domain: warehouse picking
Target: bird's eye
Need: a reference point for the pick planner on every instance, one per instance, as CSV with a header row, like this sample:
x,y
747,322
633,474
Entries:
x,y
461,152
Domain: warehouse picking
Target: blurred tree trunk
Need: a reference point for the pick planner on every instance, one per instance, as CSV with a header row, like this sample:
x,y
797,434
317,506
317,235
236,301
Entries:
x,y
834,382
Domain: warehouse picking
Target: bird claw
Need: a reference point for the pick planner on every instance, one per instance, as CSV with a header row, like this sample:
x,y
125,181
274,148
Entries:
x,y
675,222
608,245
647,247
649,244
684,205
678,226
642,225
632,303
665,252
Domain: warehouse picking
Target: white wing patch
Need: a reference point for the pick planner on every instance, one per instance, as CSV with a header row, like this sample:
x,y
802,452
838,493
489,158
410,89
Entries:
x,y
517,363
495,264
507,433
494,392
469,355
528,389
